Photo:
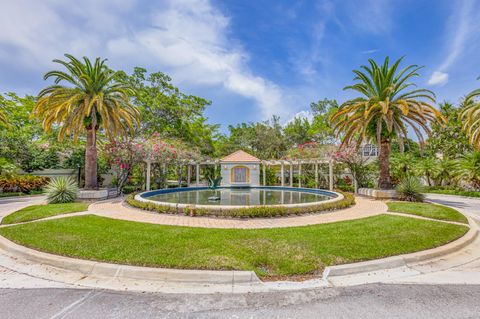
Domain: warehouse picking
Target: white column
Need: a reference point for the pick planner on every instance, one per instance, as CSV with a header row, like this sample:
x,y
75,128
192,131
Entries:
x,y
180,173
164,171
149,169
299,174
197,175
330,174
264,175
291,174
316,175
355,185
282,175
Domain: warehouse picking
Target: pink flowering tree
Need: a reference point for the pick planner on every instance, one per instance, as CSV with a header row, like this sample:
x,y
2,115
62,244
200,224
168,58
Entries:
x,y
356,163
123,155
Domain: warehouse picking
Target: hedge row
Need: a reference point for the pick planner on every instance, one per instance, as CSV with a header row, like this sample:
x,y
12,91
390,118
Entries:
x,y
22,183
248,212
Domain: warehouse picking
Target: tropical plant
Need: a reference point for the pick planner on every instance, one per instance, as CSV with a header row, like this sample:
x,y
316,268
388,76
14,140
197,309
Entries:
x,y
94,99
388,105
470,116
61,190
469,168
410,189
3,115
22,183
429,167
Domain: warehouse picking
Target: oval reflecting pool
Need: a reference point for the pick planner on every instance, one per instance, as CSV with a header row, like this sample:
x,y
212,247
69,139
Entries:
x,y
232,196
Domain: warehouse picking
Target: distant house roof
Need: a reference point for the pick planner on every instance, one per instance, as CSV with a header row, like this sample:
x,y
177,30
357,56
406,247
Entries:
x,y
240,156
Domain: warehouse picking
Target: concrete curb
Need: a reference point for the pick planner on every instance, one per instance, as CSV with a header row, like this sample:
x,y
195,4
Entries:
x,y
404,260
107,270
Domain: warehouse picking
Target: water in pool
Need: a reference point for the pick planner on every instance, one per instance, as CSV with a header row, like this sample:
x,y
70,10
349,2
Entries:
x,y
240,196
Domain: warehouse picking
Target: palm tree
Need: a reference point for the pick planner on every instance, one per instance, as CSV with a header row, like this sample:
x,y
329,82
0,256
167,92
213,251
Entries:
x,y
469,168
93,99
388,104
470,117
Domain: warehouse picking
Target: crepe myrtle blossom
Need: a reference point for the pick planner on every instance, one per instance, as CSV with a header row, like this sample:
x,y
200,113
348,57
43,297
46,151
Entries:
x,y
124,154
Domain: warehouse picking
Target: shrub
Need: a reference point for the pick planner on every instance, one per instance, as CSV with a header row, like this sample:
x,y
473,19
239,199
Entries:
x,y
61,190
410,189
247,212
22,183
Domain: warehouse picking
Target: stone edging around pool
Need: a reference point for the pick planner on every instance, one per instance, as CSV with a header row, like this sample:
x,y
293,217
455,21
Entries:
x,y
338,197
101,275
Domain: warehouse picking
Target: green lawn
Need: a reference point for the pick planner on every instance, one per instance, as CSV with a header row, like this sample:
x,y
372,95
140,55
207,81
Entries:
x,y
427,210
269,252
454,192
41,211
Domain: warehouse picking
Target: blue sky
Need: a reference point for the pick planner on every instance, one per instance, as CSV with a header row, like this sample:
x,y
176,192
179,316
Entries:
x,y
251,58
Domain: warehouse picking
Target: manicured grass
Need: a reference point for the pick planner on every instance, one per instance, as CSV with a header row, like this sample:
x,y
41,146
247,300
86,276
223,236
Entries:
x,y
41,211
15,194
269,252
454,192
427,210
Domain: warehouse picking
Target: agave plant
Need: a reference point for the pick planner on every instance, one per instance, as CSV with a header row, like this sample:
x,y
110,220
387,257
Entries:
x,y
61,190
410,189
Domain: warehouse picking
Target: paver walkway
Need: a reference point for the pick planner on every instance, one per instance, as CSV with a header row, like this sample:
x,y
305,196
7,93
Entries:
x,y
114,208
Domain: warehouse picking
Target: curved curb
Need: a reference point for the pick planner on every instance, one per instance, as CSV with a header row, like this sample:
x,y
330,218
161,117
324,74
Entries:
x,y
117,271
404,260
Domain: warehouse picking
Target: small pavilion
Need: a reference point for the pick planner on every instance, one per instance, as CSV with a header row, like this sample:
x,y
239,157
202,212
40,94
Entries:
x,y
240,169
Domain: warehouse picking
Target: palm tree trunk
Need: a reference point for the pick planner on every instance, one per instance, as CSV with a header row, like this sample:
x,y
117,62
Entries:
x,y
385,180
91,155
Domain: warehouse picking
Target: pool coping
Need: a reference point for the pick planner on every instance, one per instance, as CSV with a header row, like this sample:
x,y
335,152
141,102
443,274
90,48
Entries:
x,y
337,198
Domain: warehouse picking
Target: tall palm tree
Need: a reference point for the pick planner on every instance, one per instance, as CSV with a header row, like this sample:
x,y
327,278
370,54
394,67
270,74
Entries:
x,y
388,105
470,117
92,99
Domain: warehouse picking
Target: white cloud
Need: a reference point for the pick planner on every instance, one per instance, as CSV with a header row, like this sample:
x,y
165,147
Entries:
x,y
189,39
460,27
301,115
438,78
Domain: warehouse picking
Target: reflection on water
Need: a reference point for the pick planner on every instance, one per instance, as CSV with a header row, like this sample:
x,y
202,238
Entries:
x,y
240,196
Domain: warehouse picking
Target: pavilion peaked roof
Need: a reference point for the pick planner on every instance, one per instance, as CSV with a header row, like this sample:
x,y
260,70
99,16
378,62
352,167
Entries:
x,y
240,156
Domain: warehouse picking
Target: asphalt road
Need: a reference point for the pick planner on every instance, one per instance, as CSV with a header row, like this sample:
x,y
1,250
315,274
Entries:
x,y
367,301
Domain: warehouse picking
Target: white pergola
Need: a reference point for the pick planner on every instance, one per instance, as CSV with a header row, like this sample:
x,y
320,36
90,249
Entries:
x,y
290,164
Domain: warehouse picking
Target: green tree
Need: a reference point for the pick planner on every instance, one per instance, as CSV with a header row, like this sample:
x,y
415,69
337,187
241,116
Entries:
x,y
321,129
469,168
166,110
93,99
448,140
386,107
298,131
3,115
262,139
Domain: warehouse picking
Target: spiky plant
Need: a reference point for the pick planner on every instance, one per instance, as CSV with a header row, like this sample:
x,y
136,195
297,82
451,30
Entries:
x,y
61,190
410,189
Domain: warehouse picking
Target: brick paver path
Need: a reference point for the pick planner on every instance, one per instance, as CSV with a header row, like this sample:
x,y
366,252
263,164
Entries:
x,y
114,208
